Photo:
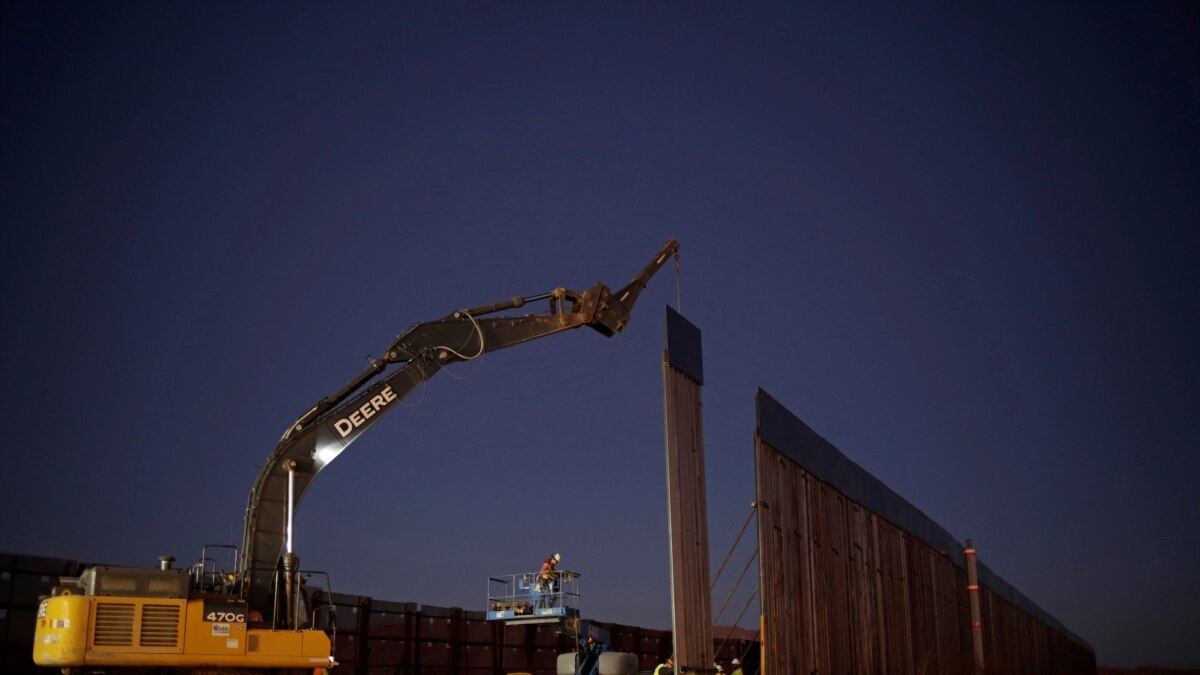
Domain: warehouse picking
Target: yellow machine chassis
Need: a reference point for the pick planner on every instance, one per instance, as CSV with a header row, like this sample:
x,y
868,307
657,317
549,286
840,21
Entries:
x,y
79,631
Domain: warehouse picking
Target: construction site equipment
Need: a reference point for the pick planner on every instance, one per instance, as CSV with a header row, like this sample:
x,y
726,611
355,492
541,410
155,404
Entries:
x,y
552,598
267,612
529,597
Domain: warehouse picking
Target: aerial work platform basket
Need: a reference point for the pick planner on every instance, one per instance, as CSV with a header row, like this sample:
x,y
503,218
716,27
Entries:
x,y
552,599
532,597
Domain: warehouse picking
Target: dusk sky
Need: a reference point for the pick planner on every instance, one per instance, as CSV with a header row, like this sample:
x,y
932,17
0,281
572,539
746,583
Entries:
x,y
960,240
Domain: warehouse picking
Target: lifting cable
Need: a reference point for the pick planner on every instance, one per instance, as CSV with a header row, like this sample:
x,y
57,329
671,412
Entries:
x,y
739,618
678,296
736,584
738,538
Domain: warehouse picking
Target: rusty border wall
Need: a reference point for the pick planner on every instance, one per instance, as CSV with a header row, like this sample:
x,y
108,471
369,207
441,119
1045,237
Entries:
x,y
855,579
687,500
375,637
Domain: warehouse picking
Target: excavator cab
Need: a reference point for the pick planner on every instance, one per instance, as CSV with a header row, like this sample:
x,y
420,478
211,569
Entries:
x,y
216,571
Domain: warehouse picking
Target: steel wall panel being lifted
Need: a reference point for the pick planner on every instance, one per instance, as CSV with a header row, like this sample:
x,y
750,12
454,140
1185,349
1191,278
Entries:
x,y
687,500
857,580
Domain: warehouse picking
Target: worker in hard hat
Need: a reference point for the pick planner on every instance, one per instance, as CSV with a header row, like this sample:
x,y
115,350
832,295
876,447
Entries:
x,y
547,581
737,666
589,655
666,667
591,645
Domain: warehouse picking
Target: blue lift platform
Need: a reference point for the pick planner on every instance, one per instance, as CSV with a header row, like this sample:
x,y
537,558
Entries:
x,y
553,600
530,597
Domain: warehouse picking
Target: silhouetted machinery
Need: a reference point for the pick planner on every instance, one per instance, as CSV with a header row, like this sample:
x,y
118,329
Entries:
x,y
253,609
552,599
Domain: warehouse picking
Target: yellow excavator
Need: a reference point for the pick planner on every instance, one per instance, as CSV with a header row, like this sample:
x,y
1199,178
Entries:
x,y
264,613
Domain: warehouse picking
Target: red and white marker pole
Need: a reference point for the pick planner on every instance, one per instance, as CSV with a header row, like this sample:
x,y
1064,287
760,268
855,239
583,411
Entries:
x,y
973,595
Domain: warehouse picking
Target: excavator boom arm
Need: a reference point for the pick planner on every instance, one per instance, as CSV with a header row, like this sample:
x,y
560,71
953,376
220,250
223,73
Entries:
x,y
336,421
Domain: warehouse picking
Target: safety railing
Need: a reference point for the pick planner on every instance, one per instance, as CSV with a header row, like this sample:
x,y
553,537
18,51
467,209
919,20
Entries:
x,y
532,595
215,573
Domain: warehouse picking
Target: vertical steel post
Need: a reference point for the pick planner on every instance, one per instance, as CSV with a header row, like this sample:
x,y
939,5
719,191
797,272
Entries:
x,y
973,596
290,560
291,504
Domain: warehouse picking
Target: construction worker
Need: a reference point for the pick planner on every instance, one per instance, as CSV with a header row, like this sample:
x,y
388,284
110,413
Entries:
x,y
548,565
666,667
546,584
737,666
588,659
591,646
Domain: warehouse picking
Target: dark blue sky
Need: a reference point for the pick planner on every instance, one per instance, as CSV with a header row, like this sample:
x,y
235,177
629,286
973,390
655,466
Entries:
x,y
961,241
